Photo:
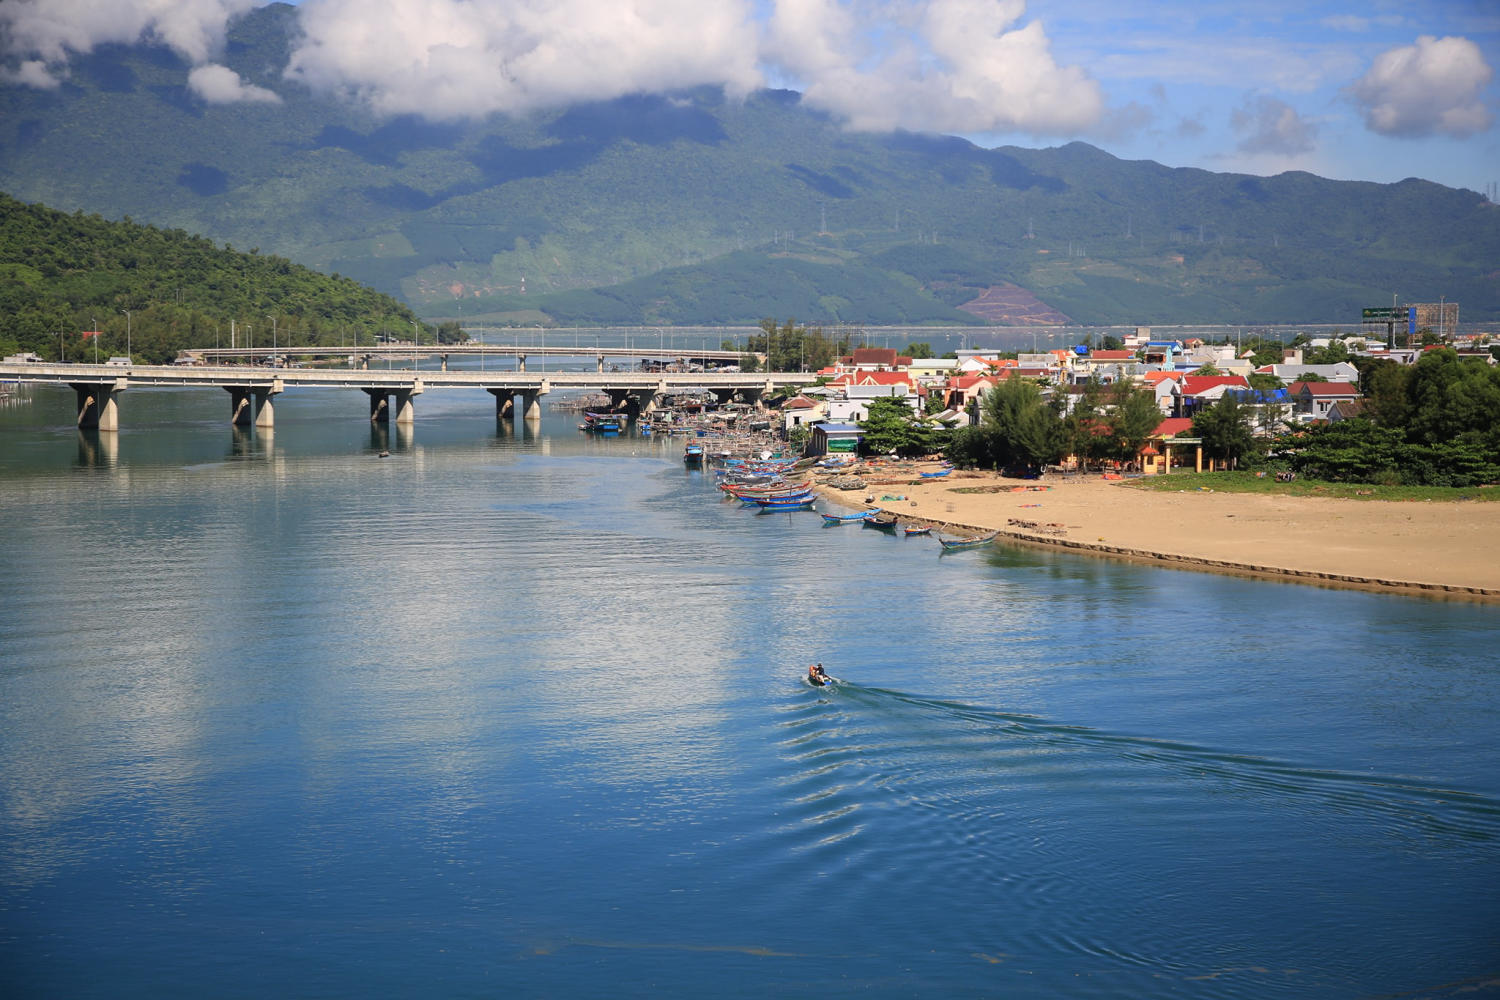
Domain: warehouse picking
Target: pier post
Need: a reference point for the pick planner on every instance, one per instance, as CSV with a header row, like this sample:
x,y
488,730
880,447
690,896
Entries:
x,y
531,403
505,402
406,413
520,362
265,413
645,401
599,360
445,362
250,404
380,413
97,409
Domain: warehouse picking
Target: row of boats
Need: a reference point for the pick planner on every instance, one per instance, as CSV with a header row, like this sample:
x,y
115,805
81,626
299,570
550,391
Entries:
x,y
765,485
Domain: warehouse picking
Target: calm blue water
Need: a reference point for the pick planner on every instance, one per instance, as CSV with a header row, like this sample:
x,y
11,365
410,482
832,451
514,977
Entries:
x,y
518,713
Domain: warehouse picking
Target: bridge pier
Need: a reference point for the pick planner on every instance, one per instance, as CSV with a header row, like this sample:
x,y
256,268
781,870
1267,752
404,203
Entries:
x,y
531,401
252,404
445,361
380,412
520,362
505,403
406,412
645,401
97,409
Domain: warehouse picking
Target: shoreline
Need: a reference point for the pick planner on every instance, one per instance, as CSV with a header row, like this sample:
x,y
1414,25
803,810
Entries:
x,y
1443,550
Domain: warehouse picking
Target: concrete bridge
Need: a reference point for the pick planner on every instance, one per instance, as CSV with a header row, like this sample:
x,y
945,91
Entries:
x,y
362,356
252,391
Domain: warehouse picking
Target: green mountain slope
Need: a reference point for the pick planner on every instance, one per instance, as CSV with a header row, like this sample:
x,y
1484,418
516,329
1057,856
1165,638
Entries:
x,y
154,292
697,209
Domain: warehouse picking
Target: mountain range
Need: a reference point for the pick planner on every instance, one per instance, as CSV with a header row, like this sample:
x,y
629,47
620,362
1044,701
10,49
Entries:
x,y
694,208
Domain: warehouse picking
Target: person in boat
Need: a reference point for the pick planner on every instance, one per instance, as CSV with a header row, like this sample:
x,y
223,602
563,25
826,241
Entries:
x,y
816,674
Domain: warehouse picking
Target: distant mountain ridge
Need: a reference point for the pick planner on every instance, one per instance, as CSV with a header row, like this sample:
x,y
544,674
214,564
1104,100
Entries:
x,y
694,209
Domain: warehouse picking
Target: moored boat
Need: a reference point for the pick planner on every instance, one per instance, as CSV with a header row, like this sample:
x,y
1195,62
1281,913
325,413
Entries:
x,y
607,424
968,543
916,529
863,515
883,521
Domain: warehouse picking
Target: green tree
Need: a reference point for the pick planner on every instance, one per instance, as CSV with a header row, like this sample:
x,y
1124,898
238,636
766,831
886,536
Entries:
x,y
1027,431
1132,419
890,427
1225,429
917,350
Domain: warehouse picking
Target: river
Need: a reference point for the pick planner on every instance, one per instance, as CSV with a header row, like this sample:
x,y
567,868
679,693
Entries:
x,y
515,712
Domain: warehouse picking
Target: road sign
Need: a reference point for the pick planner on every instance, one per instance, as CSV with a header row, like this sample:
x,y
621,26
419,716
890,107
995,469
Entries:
x,y
1383,315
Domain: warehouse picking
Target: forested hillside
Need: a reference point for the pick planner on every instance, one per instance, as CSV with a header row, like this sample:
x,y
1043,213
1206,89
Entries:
x,y
698,208
164,290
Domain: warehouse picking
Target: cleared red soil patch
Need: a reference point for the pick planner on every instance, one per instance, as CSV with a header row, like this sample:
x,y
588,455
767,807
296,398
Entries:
x,y
1011,305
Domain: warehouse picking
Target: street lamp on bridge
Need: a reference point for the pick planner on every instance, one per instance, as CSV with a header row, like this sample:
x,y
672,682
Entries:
x,y
127,330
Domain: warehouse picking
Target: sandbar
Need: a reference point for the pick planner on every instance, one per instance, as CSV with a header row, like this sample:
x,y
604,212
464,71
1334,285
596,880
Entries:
x,y
1416,547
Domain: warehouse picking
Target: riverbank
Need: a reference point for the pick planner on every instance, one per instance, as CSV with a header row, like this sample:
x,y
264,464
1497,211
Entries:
x,y
1408,547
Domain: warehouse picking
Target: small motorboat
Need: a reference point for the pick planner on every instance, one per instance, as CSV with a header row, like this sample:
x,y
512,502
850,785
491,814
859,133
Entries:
x,y
916,529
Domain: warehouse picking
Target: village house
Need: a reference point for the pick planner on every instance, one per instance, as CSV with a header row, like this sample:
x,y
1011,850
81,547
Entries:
x,y
800,411
1195,392
1292,371
1312,400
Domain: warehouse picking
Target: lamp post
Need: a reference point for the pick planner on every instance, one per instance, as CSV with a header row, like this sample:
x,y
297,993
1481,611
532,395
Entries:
x,y
273,340
96,338
127,331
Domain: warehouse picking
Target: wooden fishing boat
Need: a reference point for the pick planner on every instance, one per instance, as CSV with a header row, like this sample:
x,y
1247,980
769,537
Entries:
x,y
883,521
916,529
781,488
793,503
693,454
968,543
863,515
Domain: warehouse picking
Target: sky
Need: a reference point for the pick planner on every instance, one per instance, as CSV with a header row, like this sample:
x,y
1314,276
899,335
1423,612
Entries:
x,y
1379,91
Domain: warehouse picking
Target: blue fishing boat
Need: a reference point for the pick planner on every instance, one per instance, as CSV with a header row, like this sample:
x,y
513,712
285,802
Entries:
x,y
863,515
693,454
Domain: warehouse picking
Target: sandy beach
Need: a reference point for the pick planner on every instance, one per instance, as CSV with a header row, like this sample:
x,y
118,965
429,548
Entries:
x,y
1413,547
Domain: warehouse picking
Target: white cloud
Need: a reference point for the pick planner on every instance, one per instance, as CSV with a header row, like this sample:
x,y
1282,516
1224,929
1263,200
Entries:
x,y
1271,126
222,85
968,66
31,73
1430,88
463,58
948,65
47,32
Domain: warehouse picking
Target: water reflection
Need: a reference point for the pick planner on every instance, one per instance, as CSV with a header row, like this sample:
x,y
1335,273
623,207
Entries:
x,y
98,449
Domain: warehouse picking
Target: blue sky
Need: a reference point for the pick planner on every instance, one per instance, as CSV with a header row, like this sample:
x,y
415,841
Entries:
x,y
1374,91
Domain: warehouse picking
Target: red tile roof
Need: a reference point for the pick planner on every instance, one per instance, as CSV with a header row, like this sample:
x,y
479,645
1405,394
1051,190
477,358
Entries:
x,y
1172,426
1343,389
1194,385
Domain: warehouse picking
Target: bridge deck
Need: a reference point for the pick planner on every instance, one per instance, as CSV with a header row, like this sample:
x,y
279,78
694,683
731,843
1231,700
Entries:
x,y
244,375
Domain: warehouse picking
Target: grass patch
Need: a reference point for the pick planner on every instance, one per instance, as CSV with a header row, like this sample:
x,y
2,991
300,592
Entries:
x,y
1248,482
